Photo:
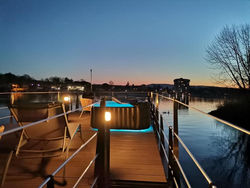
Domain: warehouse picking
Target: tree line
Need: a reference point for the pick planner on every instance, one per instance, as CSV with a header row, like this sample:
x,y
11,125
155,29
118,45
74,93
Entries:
x,y
9,78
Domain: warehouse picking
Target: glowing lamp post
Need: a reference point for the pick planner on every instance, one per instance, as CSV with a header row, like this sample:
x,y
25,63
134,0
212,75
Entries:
x,y
107,116
102,164
66,101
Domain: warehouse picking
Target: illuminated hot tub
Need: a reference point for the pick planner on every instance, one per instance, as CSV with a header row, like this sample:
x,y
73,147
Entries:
x,y
123,115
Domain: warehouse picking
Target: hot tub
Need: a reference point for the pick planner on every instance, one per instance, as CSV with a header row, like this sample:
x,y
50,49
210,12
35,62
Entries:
x,y
123,115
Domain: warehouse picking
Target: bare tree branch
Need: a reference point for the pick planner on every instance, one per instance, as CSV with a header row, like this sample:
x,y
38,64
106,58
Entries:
x,y
230,53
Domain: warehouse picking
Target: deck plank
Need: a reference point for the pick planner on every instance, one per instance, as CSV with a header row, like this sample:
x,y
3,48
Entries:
x,y
133,156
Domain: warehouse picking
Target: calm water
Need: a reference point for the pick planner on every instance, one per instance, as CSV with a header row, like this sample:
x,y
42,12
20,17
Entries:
x,y
222,151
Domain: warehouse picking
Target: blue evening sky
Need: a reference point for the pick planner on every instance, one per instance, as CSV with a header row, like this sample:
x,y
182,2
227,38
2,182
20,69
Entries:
x,y
140,41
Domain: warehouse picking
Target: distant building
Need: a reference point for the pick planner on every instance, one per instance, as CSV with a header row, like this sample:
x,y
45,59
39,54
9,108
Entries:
x,y
181,85
75,88
181,90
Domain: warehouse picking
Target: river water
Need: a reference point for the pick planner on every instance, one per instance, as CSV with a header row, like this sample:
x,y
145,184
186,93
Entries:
x,y
222,151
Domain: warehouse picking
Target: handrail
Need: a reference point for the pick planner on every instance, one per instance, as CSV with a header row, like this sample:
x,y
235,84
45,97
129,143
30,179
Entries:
x,y
193,158
186,149
181,169
65,162
218,119
189,153
43,120
5,117
175,158
84,172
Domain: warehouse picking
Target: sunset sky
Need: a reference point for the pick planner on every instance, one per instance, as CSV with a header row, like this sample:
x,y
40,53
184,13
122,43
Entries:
x,y
140,41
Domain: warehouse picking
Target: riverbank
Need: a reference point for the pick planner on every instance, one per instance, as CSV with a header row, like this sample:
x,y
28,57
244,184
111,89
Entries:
x,y
235,110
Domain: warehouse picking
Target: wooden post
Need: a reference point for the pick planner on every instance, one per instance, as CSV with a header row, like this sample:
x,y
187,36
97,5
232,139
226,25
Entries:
x,y
58,96
151,96
77,100
12,98
148,96
71,102
157,101
176,143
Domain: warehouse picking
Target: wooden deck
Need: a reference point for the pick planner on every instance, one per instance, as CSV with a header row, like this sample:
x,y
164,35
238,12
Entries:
x,y
134,156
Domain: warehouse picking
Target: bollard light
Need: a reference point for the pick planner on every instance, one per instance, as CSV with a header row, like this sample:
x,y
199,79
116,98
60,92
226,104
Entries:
x,y
107,116
66,99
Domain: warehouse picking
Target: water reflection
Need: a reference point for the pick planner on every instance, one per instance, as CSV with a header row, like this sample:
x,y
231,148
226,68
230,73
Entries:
x,y
222,151
234,162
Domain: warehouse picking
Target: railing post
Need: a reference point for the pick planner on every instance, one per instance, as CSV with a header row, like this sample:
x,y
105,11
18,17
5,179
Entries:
x,y
170,155
176,142
175,117
51,182
161,131
151,96
71,103
12,98
157,100
77,100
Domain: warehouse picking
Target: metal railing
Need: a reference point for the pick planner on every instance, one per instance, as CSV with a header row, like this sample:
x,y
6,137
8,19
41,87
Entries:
x,y
162,138
4,107
51,177
50,181
5,117
174,134
213,117
43,120
174,165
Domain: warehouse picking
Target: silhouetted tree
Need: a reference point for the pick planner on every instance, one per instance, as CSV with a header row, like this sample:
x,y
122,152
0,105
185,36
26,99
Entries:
x,y
67,80
55,80
230,53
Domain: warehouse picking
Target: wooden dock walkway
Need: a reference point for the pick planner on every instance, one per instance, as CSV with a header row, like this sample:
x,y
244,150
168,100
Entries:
x,y
133,156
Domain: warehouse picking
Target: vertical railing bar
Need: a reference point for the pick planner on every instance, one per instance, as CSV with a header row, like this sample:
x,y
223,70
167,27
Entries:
x,y
165,153
175,182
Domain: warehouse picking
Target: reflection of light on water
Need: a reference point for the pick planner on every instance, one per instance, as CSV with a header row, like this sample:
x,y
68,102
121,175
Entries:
x,y
150,129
